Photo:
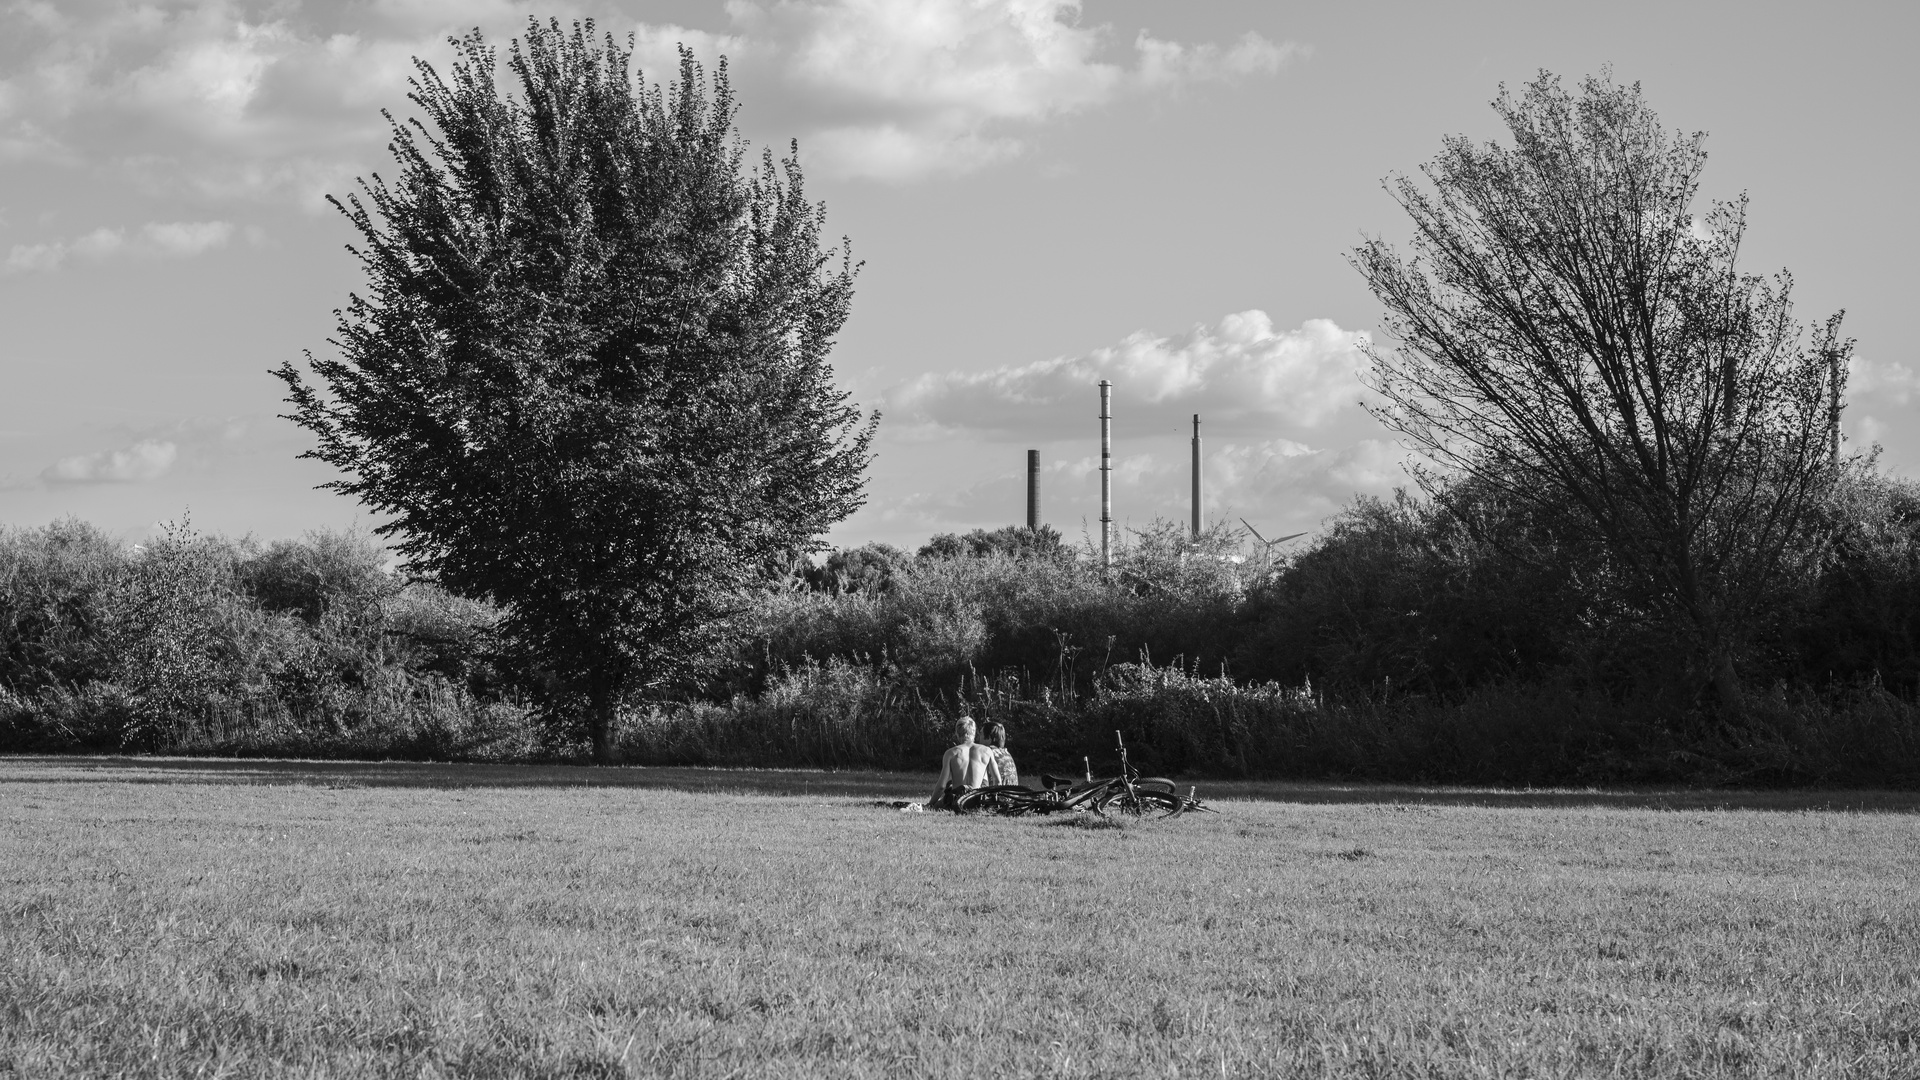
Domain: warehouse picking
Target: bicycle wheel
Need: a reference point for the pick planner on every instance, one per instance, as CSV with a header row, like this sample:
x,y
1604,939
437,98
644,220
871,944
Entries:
x,y
1140,803
1004,799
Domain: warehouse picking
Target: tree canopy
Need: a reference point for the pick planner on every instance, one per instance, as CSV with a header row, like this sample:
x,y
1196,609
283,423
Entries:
x,y
1012,541
1570,332
588,377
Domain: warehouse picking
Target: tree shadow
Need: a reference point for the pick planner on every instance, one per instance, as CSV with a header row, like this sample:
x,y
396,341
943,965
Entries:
x,y
52,769
1624,797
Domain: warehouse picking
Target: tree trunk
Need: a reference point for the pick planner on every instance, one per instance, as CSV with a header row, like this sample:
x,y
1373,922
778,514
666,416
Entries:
x,y
1726,685
600,713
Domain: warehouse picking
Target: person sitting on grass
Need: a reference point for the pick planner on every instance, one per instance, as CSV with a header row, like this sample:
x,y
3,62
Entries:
x,y
964,767
997,742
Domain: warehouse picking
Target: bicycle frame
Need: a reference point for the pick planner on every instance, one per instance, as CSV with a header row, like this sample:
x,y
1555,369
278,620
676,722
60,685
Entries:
x,y
1128,792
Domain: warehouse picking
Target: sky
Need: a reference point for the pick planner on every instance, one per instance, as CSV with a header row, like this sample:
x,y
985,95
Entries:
x,y
1043,193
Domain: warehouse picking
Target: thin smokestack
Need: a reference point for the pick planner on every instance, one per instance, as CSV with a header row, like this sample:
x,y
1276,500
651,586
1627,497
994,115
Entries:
x,y
1199,492
1833,405
1106,473
1033,490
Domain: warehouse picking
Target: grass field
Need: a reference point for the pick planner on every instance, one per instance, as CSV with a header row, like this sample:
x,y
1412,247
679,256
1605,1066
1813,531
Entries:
x,y
282,919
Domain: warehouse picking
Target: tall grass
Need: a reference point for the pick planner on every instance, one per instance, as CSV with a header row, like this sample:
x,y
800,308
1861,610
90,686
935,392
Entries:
x,y
834,715
839,715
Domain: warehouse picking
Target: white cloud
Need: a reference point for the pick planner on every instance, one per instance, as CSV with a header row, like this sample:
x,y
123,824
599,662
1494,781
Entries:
x,y
656,48
1286,444
97,244
1869,430
1241,375
211,80
184,238
214,97
176,239
280,98
1169,63
1885,381
1283,486
149,452
897,89
147,459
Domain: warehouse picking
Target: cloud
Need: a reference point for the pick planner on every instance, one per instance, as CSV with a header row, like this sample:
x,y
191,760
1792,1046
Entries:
x,y
1887,381
993,501
1286,444
280,98
176,239
1241,375
184,238
899,89
192,444
1869,430
147,459
97,244
1171,64
1288,487
219,98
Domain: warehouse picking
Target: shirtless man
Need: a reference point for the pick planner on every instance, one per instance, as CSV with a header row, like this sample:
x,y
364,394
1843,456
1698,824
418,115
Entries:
x,y
968,765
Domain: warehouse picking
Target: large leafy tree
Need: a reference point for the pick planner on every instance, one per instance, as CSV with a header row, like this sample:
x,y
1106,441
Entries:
x,y
588,377
1570,332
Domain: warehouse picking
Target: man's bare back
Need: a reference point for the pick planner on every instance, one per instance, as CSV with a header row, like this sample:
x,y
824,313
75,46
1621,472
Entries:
x,y
968,765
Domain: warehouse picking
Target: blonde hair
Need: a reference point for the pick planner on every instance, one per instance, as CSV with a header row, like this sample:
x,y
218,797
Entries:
x,y
963,728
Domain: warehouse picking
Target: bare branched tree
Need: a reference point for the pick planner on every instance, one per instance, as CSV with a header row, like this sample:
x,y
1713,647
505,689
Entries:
x,y
1570,331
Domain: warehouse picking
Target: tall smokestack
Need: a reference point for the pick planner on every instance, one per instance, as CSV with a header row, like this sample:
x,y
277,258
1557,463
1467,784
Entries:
x,y
1033,490
1833,404
1199,493
1729,391
1106,473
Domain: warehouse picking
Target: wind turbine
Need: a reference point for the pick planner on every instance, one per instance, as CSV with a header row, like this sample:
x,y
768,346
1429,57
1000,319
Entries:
x,y
1264,540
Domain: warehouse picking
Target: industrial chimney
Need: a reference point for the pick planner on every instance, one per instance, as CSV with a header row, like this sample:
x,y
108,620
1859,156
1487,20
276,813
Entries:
x,y
1033,490
1833,405
1199,494
1106,473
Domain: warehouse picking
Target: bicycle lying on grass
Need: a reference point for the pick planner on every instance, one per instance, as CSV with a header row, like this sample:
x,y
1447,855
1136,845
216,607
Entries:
x,y
1127,794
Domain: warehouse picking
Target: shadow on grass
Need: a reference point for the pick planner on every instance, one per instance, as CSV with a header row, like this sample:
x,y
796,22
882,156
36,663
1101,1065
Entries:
x,y
50,769
57,769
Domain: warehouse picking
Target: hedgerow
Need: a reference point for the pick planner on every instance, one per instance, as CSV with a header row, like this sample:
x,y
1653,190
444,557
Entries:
x,y
1410,641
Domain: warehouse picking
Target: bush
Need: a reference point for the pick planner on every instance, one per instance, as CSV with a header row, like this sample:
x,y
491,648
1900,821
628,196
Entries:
x,y
1413,642
323,572
54,598
1051,624
1012,541
831,715
1859,620
868,568
192,644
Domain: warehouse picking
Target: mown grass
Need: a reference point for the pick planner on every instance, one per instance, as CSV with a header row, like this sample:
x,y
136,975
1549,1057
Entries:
x,y
164,922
